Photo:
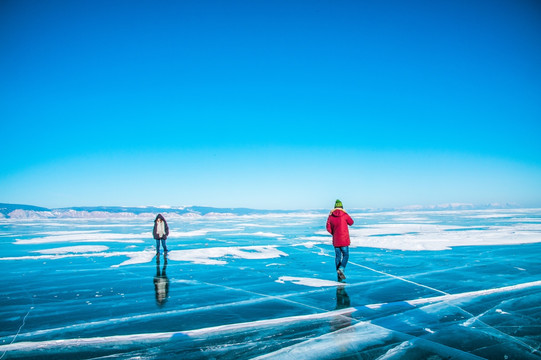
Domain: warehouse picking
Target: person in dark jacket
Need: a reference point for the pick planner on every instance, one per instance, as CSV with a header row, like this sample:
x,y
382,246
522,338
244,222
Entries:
x,y
160,233
337,224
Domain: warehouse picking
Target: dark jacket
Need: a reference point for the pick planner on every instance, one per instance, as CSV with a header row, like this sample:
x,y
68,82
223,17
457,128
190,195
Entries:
x,y
166,227
337,225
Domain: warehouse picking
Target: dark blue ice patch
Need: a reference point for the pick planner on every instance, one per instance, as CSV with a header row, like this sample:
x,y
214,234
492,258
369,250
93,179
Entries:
x,y
468,229
179,336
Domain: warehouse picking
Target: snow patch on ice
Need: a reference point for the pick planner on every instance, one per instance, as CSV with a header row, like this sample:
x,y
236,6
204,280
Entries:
x,y
207,256
184,281
84,236
66,255
259,233
308,245
200,232
74,249
242,225
193,233
308,281
140,257
417,237
215,255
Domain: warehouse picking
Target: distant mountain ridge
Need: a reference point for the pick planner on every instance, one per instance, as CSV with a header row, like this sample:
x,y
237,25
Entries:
x,y
18,211
11,207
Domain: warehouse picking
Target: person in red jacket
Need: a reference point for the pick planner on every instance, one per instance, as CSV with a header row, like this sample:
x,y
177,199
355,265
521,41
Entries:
x,y
337,224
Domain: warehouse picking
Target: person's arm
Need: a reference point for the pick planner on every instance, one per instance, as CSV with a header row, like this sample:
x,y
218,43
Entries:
x,y
329,227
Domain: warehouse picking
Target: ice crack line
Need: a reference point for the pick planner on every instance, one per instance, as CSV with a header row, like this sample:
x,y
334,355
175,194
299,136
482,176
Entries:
x,y
390,275
18,331
202,332
473,317
400,278
266,296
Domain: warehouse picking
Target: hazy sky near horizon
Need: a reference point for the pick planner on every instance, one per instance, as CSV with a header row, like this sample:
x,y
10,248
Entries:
x,y
270,104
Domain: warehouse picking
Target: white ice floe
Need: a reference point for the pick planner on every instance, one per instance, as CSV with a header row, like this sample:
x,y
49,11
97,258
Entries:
x,y
216,255
207,256
312,282
309,244
260,234
413,219
245,224
74,249
84,236
194,233
433,237
180,234
56,256
138,257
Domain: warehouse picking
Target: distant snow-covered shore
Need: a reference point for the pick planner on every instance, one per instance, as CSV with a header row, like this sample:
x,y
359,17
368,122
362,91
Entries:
x,y
11,211
14,211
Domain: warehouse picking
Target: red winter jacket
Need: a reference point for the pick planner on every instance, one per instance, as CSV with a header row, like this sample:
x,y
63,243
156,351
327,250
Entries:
x,y
337,225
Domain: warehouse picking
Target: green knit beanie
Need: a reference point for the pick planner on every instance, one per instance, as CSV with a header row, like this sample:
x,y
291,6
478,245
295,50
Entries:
x,y
338,204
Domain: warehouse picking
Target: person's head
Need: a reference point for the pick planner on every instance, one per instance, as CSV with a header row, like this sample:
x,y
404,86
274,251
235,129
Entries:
x,y
338,204
159,218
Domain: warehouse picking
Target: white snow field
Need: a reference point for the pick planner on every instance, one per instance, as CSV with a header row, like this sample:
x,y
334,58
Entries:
x,y
420,285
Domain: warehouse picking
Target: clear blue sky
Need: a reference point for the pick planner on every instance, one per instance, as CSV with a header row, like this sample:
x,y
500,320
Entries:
x,y
270,104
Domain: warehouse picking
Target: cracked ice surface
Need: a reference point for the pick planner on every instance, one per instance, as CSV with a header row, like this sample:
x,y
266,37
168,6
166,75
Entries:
x,y
454,284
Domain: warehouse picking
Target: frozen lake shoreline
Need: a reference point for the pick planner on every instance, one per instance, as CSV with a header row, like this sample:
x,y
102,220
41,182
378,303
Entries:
x,y
460,284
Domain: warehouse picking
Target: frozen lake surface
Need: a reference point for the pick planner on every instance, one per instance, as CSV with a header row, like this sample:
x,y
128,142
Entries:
x,y
420,285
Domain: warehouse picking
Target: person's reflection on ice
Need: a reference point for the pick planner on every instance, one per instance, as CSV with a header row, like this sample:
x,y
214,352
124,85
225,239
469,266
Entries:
x,y
342,302
161,283
342,298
